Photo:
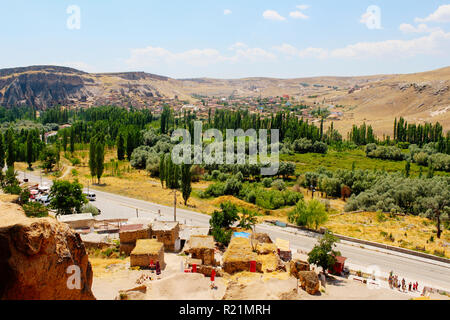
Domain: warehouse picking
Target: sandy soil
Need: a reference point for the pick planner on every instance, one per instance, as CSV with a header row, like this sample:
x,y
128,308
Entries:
x,y
112,276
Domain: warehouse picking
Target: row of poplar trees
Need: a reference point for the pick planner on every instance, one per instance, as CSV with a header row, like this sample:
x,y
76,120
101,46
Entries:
x,y
175,176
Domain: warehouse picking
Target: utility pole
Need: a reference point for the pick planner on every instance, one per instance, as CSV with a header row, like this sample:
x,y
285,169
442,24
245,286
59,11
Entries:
x,y
174,205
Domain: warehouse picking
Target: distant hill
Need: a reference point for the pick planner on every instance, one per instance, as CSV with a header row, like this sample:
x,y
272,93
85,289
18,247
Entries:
x,y
375,99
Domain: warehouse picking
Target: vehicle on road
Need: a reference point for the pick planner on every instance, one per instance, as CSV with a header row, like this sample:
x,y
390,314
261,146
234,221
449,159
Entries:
x,y
45,200
91,196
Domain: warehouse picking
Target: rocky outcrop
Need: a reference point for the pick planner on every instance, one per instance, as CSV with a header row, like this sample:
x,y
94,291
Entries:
x,y
309,281
297,265
41,259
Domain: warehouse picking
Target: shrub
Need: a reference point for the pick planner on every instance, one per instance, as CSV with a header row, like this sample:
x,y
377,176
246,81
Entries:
x,y
35,209
89,208
279,185
310,215
267,182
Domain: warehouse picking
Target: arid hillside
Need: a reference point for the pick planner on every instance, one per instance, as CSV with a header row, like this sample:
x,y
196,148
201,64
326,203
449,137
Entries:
x,y
375,99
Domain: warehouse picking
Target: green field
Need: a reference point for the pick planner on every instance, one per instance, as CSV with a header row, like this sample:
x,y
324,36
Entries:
x,y
344,160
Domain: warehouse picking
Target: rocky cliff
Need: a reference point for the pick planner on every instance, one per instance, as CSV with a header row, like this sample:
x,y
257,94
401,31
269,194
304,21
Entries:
x,y
41,259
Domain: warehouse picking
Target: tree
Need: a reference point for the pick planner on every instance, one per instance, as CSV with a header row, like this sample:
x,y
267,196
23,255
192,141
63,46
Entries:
x,y
72,140
99,159
248,220
407,169
439,208
10,184
92,158
11,149
65,140
67,197
2,152
310,215
30,157
323,253
226,217
162,169
58,152
120,147
186,182
221,222
345,192
48,158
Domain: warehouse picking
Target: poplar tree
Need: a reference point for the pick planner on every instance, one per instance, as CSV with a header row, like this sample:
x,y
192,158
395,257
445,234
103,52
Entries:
x,y
120,147
30,149
186,187
2,152
99,158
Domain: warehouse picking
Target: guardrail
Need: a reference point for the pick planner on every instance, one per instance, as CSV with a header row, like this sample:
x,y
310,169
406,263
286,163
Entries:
x,y
360,241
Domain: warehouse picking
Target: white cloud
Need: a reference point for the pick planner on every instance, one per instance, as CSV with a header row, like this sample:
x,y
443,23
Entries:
x,y
437,42
287,49
310,52
227,12
442,14
303,6
273,15
298,15
421,28
237,45
155,56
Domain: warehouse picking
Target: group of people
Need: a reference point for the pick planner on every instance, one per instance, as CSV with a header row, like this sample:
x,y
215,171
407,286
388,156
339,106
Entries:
x,y
395,283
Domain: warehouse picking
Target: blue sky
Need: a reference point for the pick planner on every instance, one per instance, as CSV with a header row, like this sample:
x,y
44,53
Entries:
x,y
229,39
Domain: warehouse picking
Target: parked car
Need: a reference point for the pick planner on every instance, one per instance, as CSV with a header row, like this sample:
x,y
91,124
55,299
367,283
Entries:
x,y
45,200
91,196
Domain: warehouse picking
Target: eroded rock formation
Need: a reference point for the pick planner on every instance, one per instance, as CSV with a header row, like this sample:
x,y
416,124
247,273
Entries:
x,y
41,259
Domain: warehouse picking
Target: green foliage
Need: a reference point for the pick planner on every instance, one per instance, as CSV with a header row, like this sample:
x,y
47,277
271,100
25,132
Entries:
x,y
310,215
120,147
48,158
279,185
385,153
267,182
35,209
226,217
67,197
248,220
222,235
186,182
323,253
89,208
221,222
10,183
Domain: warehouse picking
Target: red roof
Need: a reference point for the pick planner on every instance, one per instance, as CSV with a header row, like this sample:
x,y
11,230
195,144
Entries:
x,y
340,259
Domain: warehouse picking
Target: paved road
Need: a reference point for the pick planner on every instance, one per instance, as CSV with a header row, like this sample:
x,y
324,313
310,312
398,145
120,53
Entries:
x,y
427,272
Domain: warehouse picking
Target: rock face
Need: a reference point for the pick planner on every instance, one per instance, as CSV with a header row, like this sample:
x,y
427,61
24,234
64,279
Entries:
x,y
297,265
309,281
40,259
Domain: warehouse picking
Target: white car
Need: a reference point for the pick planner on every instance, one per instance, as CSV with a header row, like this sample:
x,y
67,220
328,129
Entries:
x,y
90,196
45,200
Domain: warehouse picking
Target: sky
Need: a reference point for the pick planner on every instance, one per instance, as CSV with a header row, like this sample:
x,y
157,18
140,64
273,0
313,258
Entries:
x,y
228,38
